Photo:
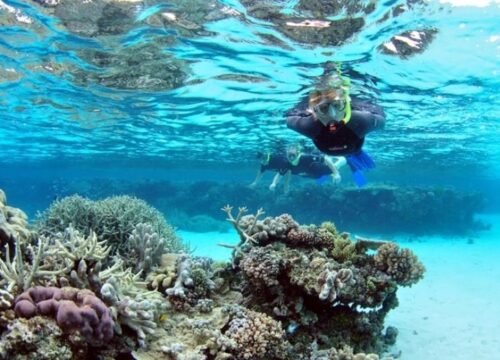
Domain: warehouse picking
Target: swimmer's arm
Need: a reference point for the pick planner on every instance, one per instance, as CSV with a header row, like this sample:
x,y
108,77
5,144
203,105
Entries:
x,y
304,123
371,120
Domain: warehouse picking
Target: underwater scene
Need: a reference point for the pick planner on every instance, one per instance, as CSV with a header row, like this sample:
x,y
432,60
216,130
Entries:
x,y
249,179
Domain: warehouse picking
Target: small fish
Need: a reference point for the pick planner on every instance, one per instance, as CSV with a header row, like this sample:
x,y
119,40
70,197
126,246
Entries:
x,y
292,328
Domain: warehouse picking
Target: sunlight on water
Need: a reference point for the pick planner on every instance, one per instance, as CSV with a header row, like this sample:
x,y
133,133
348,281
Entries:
x,y
227,72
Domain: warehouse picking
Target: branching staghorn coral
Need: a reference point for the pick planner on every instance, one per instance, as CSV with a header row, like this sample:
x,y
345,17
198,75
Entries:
x,y
20,274
246,241
72,245
254,232
72,211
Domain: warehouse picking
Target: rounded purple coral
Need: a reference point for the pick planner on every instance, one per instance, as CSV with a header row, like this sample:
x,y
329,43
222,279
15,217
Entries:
x,y
25,308
47,307
69,316
73,309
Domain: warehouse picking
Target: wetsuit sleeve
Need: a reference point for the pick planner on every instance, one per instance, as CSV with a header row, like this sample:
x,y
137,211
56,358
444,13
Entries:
x,y
363,121
302,121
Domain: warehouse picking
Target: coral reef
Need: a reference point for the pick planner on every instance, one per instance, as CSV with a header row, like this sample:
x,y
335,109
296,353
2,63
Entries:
x,y
13,223
400,264
112,219
374,209
144,248
256,336
73,309
383,209
290,292
36,338
293,282
133,306
22,271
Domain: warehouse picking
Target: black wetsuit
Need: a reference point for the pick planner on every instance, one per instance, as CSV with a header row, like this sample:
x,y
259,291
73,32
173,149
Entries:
x,y
311,165
277,162
344,139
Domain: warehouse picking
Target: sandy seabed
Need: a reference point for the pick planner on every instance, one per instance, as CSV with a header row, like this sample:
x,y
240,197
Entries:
x,y
453,313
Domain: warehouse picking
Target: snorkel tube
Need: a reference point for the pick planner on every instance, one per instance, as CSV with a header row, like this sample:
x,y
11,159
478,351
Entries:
x,y
344,83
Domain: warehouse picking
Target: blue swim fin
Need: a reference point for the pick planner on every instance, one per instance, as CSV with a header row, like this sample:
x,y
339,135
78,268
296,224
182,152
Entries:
x,y
359,178
358,163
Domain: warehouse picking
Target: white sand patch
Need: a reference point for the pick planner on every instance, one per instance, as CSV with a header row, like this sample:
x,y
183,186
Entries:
x,y
454,312
205,244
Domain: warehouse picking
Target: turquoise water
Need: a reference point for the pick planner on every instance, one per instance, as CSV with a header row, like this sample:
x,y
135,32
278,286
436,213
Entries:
x,y
188,91
441,105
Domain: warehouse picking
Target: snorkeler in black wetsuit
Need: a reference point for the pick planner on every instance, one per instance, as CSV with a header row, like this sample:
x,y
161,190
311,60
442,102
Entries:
x,y
337,138
295,162
274,162
337,123
311,165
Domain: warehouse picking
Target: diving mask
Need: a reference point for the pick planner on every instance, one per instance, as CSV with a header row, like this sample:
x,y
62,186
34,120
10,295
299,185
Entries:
x,y
327,112
293,155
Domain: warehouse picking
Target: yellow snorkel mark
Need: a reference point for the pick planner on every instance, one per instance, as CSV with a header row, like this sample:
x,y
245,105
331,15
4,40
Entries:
x,y
267,159
346,86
